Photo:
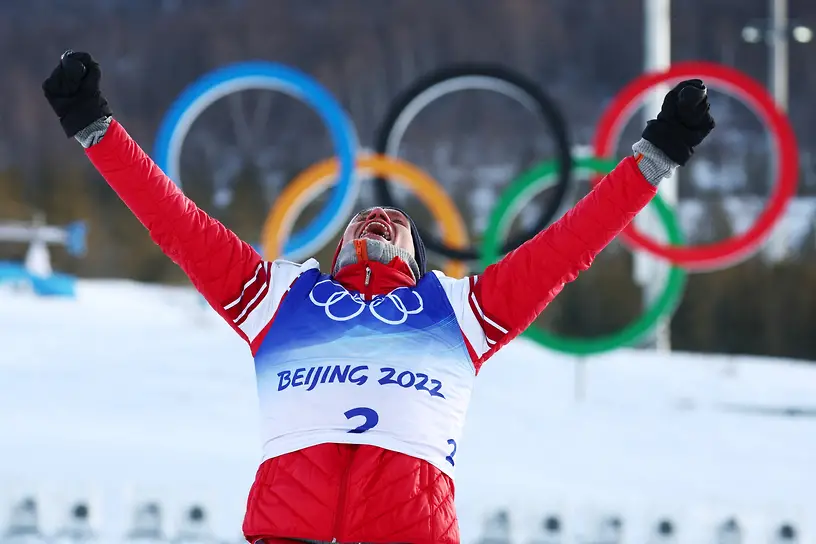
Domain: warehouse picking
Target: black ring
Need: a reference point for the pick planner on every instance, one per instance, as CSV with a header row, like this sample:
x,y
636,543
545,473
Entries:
x,y
545,108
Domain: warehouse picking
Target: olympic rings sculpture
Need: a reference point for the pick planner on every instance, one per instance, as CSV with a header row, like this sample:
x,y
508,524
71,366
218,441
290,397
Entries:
x,y
275,77
342,172
315,179
510,203
467,77
727,252
271,76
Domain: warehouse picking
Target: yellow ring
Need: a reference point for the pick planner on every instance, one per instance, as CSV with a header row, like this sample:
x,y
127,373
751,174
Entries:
x,y
318,177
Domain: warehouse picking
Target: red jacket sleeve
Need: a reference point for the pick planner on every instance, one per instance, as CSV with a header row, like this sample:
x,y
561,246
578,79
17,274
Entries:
x,y
228,272
509,295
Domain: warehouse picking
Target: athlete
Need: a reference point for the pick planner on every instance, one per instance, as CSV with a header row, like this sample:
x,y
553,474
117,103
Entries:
x,y
364,372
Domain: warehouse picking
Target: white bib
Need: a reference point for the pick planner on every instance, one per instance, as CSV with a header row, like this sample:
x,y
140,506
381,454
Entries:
x,y
393,372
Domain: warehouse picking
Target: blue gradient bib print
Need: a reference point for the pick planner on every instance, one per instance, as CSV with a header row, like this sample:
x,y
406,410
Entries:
x,y
319,314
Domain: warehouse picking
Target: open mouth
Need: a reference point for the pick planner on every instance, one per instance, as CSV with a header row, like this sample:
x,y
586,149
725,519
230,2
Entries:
x,y
376,230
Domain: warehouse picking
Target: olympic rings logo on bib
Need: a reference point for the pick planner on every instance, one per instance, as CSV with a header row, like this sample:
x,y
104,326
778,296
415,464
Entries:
x,y
339,178
343,305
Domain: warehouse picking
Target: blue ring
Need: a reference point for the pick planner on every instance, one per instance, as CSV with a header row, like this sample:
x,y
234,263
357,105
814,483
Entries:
x,y
266,75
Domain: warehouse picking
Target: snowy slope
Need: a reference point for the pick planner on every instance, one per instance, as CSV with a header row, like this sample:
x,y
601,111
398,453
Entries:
x,y
133,392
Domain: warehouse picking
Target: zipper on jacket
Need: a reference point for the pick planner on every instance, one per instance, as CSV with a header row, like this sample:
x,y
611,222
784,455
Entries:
x,y
340,513
367,282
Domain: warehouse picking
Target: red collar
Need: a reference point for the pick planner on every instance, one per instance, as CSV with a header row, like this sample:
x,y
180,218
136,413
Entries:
x,y
375,278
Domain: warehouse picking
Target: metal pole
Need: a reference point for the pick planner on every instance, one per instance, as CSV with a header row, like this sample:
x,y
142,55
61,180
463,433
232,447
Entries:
x,y
778,78
649,271
779,52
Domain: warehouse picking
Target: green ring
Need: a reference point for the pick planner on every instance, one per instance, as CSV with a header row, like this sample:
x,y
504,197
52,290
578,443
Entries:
x,y
539,178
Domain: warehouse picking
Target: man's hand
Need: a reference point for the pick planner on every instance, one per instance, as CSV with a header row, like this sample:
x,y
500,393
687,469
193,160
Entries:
x,y
72,89
683,122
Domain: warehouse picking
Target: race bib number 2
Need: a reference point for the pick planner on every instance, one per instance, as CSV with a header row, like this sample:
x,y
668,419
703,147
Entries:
x,y
370,420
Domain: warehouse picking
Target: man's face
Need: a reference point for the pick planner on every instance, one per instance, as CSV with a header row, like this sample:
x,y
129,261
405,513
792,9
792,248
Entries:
x,y
381,224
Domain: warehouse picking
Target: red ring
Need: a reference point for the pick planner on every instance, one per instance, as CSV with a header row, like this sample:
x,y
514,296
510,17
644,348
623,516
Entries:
x,y
731,250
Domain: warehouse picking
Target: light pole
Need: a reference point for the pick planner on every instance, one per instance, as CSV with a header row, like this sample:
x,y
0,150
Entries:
x,y
649,271
776,33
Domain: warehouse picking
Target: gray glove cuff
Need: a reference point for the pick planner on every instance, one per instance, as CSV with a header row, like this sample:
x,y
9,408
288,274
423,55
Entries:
x,y
94,132
654,164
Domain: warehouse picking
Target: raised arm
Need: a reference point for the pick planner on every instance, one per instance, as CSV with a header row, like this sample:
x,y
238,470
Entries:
x,y
227,271
499,304
511,293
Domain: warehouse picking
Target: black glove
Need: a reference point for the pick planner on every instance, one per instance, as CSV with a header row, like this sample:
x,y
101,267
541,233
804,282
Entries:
x,y
683,122
72,89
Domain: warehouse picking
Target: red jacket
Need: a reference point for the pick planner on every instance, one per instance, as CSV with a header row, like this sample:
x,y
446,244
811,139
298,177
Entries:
x,y
358,493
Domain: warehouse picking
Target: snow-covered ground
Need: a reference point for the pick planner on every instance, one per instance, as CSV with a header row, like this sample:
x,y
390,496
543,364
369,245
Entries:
x,y
133,392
